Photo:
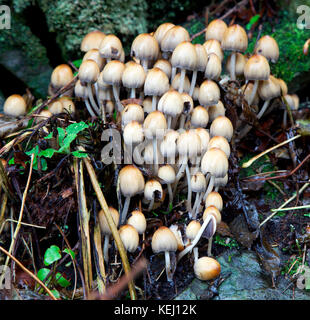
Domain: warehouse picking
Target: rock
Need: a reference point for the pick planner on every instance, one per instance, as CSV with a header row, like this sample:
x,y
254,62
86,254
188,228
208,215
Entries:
x,y
244,280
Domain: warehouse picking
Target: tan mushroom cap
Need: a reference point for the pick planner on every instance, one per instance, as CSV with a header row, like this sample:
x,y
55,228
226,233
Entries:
x,y
155,125
202,57
269,89
257,68
214,211
216,110
153,189
221,143
198,182
235,39
111,47
131,181
133,76
112,72
192,229
93,54
105,229
133,133
206,268
214,46
130,237
209,93
166,173
215,30
164,240
161,31
88,72
173,37
189,144
222,126
213,67
138,221
61,76
164,65
214,199
214,162
204,138
200,117
268,47
171,103
145,47
156,82
15,105
132,112
92,40
184,56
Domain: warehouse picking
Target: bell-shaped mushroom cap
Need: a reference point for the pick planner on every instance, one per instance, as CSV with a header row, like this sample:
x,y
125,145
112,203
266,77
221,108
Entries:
x,y
200,117
88,72
269,89
257,68
173,37
283,86
133,76
168,146
178,235
133,133
132,112
246,90
94,54
155,125
198,182
171,103
215,212
235,39
80,91
201,57
214,162
145,47
209,93
184,56
216,111
161,31
130,237
131,181
188,103
213,67
189,144
176,83
221,143
67,104
221,182
138,221
204,139
112,72
215,30
147,105
214,199
192,229
164,240
292,101
105,229
222,126
43,115
61,76
156,82
153,190
111,47
206,268
214,46
166,174
163,65
92,40
268,47
15,105
239,65
55,107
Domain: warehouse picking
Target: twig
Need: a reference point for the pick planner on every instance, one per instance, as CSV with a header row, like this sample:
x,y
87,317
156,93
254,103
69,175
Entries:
x,y
292,208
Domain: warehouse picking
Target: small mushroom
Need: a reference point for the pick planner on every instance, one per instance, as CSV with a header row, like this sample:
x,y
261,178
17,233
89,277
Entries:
x,y
207,268
153,191
167,175
15,105
191,231
130,237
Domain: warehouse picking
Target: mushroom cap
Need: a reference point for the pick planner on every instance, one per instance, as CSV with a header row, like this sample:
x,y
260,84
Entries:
x,y
138,221
15,105
189,144
283,86
216,111
161,31
89,72
198,182
164,240
184,56
200,117
156,82
215,162
177,233
202,57
145,47
209,93
93,54
222,126
133,76
176,83
188,103
67,104
92,40
206,268
220,142
269,89
130,237
167,174
257,68
131,181
168,146
268,47
56,107
133,133
112,72
80,91
215,30
204,138
171,103
235,39
173,37
132,112
292,100
111,47
192,229
43,115
214,199
163,65
221,181
155,125
213,211
153,190
148,154
105,229
61,76
213,68
214,46
239,66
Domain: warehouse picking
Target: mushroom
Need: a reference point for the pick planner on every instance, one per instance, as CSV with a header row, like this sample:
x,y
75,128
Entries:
x,y
221,143
209,93
214,199
132,112
200,117
220,182
153,191
178,235
187,110
167,175
161,31
92,40
168,146
214,46
215,30
133,135
15,105
234,39
105,229
130,237
268,47
93,54
164,65
206,268
81,92
216,111
213,68
222,126
61,76
131,182
111,48
204,139
164,240
138,221
198,185
67,104
191,231
217,215
240,62
133,77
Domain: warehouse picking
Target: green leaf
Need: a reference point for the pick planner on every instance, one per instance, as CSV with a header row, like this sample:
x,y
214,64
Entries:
x,y
79,154
34,150
76,128
51,255
43,164
50,136
252,21
70,252
11,161
48,153
61,135
115,115
77,62
42,273
61,280
55,293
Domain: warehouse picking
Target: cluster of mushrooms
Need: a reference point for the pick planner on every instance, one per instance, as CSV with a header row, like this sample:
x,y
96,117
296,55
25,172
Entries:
x,y
175,113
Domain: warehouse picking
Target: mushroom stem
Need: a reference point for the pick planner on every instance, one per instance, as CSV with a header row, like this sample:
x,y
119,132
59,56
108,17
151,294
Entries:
x,y
210,187
106,248
168,266
284,118
182,121
195,253
169,122
170,194
102,111
210,246
173,73
233,66
151,204
193,213
154,103
179,174
125,210
193,82
263,109
89,109
91,98
255,86
132,93
181,84
144,65
155,156
116,97
189,189
197,238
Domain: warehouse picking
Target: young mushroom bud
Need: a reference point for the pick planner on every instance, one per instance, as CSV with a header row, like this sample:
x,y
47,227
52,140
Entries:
x,y
214,199
132,112
206,268
200,117
222,126
215,30
221,143
216,110
213,68
153,191
164,240
209,93
15,106
61,76
92,40
138,221
191,231
130,237
268,47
